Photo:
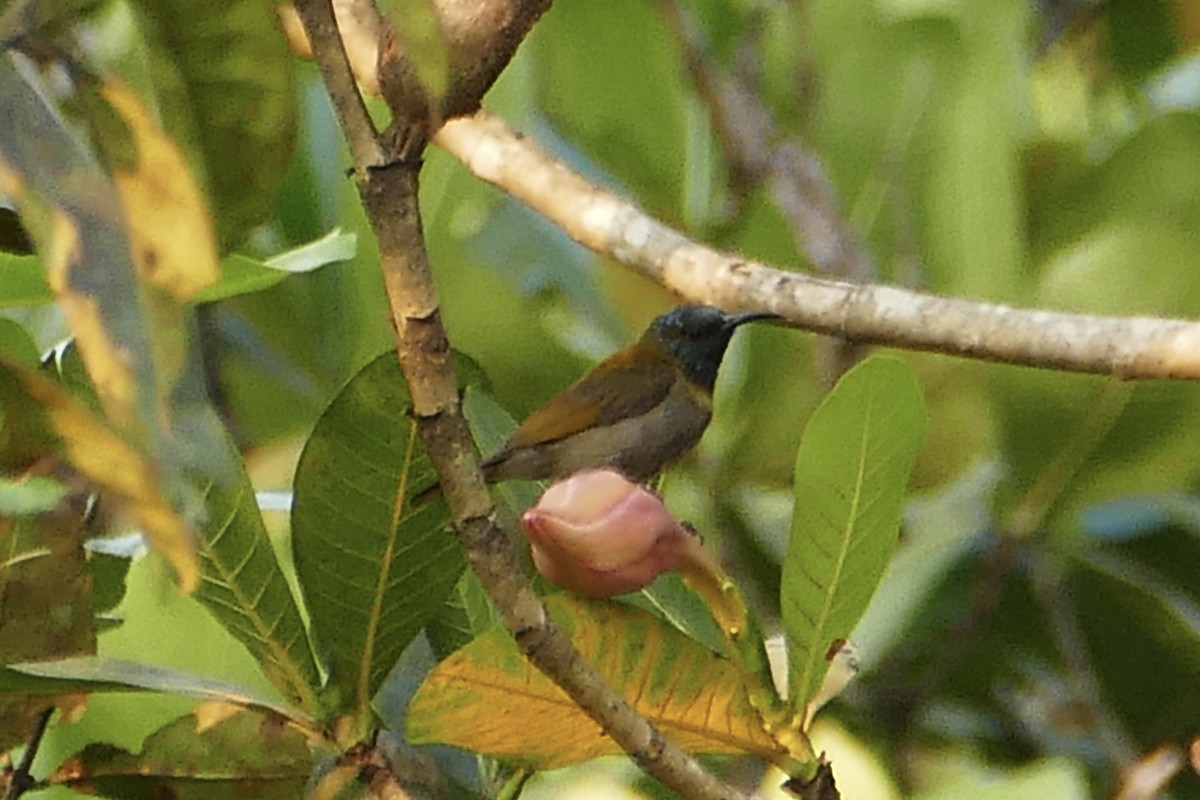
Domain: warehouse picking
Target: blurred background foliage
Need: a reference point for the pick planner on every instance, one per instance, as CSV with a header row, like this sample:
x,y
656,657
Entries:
x,y
1040,628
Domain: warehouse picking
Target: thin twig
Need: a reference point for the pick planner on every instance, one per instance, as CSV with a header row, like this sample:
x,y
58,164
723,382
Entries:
x,y
757,148
793,175
21,779
1124,347
389,194
325,41
1072,647
1148,778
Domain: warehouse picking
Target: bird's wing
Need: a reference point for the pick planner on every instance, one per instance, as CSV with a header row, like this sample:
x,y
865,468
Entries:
x,y
619,387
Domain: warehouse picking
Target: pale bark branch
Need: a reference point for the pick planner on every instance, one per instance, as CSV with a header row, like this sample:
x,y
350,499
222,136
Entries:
x,y
1124,347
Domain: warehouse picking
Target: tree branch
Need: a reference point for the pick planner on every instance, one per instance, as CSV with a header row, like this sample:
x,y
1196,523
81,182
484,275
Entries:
x,y
389,194
1124,347
790,171
794,176
325,42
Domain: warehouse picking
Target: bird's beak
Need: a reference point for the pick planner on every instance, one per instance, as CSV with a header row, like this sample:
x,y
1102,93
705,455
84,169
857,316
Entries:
x,y
734,320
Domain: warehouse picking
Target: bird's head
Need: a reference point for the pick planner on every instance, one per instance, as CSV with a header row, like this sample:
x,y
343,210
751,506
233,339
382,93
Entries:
x,y
697,337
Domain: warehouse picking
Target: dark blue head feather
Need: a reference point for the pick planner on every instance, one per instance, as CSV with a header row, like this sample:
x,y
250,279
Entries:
x,y
698,336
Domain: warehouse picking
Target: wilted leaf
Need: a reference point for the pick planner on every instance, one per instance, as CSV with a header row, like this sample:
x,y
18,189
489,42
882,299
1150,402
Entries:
x,y
488,698
170,231
58,422
224,79
851,474
124,255
241,755
373,569
74,214
45,605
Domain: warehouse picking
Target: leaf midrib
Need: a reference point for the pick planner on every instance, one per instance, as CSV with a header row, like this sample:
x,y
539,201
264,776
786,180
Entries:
x,y
381,582
282,656
822,620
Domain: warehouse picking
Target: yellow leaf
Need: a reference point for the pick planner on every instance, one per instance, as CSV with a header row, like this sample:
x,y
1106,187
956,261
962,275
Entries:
x,y
111,371
108,461
170,231
488,698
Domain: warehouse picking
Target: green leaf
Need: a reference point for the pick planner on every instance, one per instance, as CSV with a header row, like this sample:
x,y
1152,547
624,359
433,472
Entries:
x,y
488,698
108,573
224,80
243,585
243,275
1141,625
98,674
467,613
30,495
374,570
1060,778
491,425
205,755
16,344
640,150
851,473
939,531
669,598
23,281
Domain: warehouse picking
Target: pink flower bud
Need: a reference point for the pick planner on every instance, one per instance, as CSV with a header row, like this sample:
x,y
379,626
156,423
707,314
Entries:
x,y
597,534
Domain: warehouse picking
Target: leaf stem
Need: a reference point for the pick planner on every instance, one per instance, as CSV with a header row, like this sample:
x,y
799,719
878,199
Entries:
x,y
705,576
21,780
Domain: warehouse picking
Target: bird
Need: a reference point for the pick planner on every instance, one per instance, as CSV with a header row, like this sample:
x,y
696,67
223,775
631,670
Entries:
x,y
637,411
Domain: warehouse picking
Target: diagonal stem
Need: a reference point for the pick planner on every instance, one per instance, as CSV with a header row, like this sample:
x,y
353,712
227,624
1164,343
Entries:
x,y
389,194
21,780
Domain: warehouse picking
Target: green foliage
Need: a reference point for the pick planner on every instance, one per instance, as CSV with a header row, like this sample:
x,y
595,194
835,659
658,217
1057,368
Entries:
x,y
242,583
374,567
22,281
33,496
1041,603
243,275
851,474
